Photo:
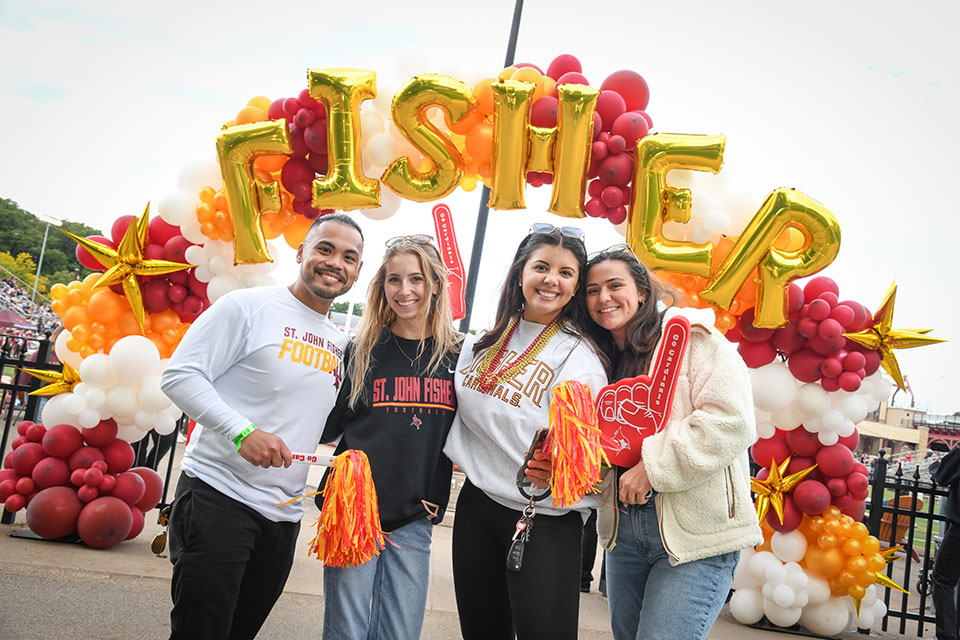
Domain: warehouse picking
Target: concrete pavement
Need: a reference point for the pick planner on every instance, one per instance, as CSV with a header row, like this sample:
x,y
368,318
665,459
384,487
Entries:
x,y
65,591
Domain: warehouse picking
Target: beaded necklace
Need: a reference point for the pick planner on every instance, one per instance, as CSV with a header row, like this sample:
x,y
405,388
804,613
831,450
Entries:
x,y
488,375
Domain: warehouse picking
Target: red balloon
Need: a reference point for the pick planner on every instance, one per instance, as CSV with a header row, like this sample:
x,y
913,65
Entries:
x,y
35,432
854,361
138,522
84,457
275,112
757,354
153,488
53,512
616,170
8,487
291,106
177,293
835,461
197,288
849,381
818,310
25,458
630,85
86,493
99,464
799,463
830,384
595,208
50,472
15,502
857,483
811,497
154,294
750,332
831,298
803,443
766,449
315,137
108,483
319,163
161,230
861,315
787,339
130,488
851,442
843,314
294,171
544,112
174,249
873,361
814,287
632,126
76,477
193,305
564,63
573,77
616,144
102,434
62,440
23,426
837,486
830,330
8,461
792,516
616,215
153,252
105,522
795,299
824,346
612,196
855,510
610,106
26,486
92,477
807,327
86,258
805,365
119,228
830,368
119,456
860,468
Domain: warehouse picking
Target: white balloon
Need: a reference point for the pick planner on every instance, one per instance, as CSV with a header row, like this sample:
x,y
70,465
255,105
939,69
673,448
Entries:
x,y
621,228
94,398
784,596
220,286
199,174
71,358
248,280
866,619
151,397
202,273
766,430
767,591
879,609
760,562
817,589
389,205
673,230
789,547
802,599
95,371
796,578
699,235
129,432
144,419
371,123
178,207
846,429
133,359
741,577
812,399
776,573
53,412
869,598
164,424
788,418
881,390
828,438
853,408
122,401
173,411
219,266
715,222
781,616
88,418
826,618
266,281
831,419
774,387
105,412
746,605
812,424
194,254
73,404
191,231
381,150
81,388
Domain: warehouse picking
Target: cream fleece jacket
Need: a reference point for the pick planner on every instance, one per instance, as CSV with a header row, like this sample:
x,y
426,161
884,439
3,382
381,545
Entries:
x,y
698,463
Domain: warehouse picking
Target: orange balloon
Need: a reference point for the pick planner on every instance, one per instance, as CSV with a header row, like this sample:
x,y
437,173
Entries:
x,y
851,547
870,546
248,115
462,127
529,74
205,212
220,201
507,73
832,527
206,194
75,297
96,341
549,86
109,344
838,588
875,562
824,563
91,279
483,92
74,345
847,578
296,232
827,541
86,351
866,578
105,306
859,531
128,324
81,332
725,321
857,592
171,337
162,347
857,564
479,142
271,162
75,315
59,306
816,523
58,292
832,512
166,319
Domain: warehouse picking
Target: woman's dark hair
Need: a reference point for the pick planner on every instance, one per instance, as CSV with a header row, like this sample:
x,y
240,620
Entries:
x,y
511,296
643,330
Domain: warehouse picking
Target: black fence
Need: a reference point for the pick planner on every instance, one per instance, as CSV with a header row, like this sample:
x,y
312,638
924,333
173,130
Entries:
x,y
904,509
17,352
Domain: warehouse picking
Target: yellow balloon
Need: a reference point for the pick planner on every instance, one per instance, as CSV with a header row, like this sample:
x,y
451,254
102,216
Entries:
x,y
776,268
445,167
345,186
247,197
260,102
571,153
653,202
511,108
59,291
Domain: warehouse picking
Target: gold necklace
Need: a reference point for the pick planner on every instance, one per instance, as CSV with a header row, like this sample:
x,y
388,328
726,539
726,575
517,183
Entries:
x,y
487,374
404,353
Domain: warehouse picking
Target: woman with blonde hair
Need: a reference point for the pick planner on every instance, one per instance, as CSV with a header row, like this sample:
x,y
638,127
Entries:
x,y
396,405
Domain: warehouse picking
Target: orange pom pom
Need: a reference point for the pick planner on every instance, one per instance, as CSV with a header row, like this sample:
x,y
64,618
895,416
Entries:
x,y
348,529
575,441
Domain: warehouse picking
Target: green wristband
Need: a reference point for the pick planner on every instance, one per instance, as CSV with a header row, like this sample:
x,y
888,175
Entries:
x,y
243,434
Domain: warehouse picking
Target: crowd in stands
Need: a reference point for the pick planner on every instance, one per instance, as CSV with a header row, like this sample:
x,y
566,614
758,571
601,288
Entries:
x,y
40,316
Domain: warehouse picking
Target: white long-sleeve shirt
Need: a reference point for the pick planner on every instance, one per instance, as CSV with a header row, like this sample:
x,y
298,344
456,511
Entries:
x,y
258,356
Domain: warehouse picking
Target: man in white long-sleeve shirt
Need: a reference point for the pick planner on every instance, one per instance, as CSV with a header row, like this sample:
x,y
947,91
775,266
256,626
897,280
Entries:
x,y
259,372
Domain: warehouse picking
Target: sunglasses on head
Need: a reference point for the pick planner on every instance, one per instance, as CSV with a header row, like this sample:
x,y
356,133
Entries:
x,y
419,238
614,249
546,227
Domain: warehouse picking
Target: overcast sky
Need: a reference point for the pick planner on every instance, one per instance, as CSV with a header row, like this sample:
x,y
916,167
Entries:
x,y
853,103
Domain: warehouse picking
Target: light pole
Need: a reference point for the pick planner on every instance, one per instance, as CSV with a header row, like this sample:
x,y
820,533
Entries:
x,y
50,220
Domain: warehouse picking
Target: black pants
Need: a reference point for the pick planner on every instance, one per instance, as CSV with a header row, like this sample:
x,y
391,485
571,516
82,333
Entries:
x,y
542,600
229,564
946,574
588,549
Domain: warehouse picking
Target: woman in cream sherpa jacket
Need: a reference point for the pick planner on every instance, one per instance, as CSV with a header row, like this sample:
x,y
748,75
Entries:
x,y
673,525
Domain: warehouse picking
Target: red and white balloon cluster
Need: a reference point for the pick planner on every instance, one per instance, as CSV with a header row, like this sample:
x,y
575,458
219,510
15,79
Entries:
x,y
78,481
123,386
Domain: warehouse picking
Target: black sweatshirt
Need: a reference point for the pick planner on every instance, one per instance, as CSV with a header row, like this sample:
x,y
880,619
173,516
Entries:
x,y
401,424
947,473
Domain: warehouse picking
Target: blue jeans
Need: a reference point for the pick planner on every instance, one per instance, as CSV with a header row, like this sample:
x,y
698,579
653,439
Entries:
x,y
384,598
649,599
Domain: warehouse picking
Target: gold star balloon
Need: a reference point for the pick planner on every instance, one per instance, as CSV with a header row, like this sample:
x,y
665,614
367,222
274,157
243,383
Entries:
x,y
882,337
126,262
770,491
60,381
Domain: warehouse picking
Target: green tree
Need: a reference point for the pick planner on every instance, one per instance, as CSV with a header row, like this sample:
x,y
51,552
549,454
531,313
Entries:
x,y
23,268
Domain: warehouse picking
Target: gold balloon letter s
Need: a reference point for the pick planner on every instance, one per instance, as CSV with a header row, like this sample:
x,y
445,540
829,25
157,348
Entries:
x,y
782,208
248,198
654,202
